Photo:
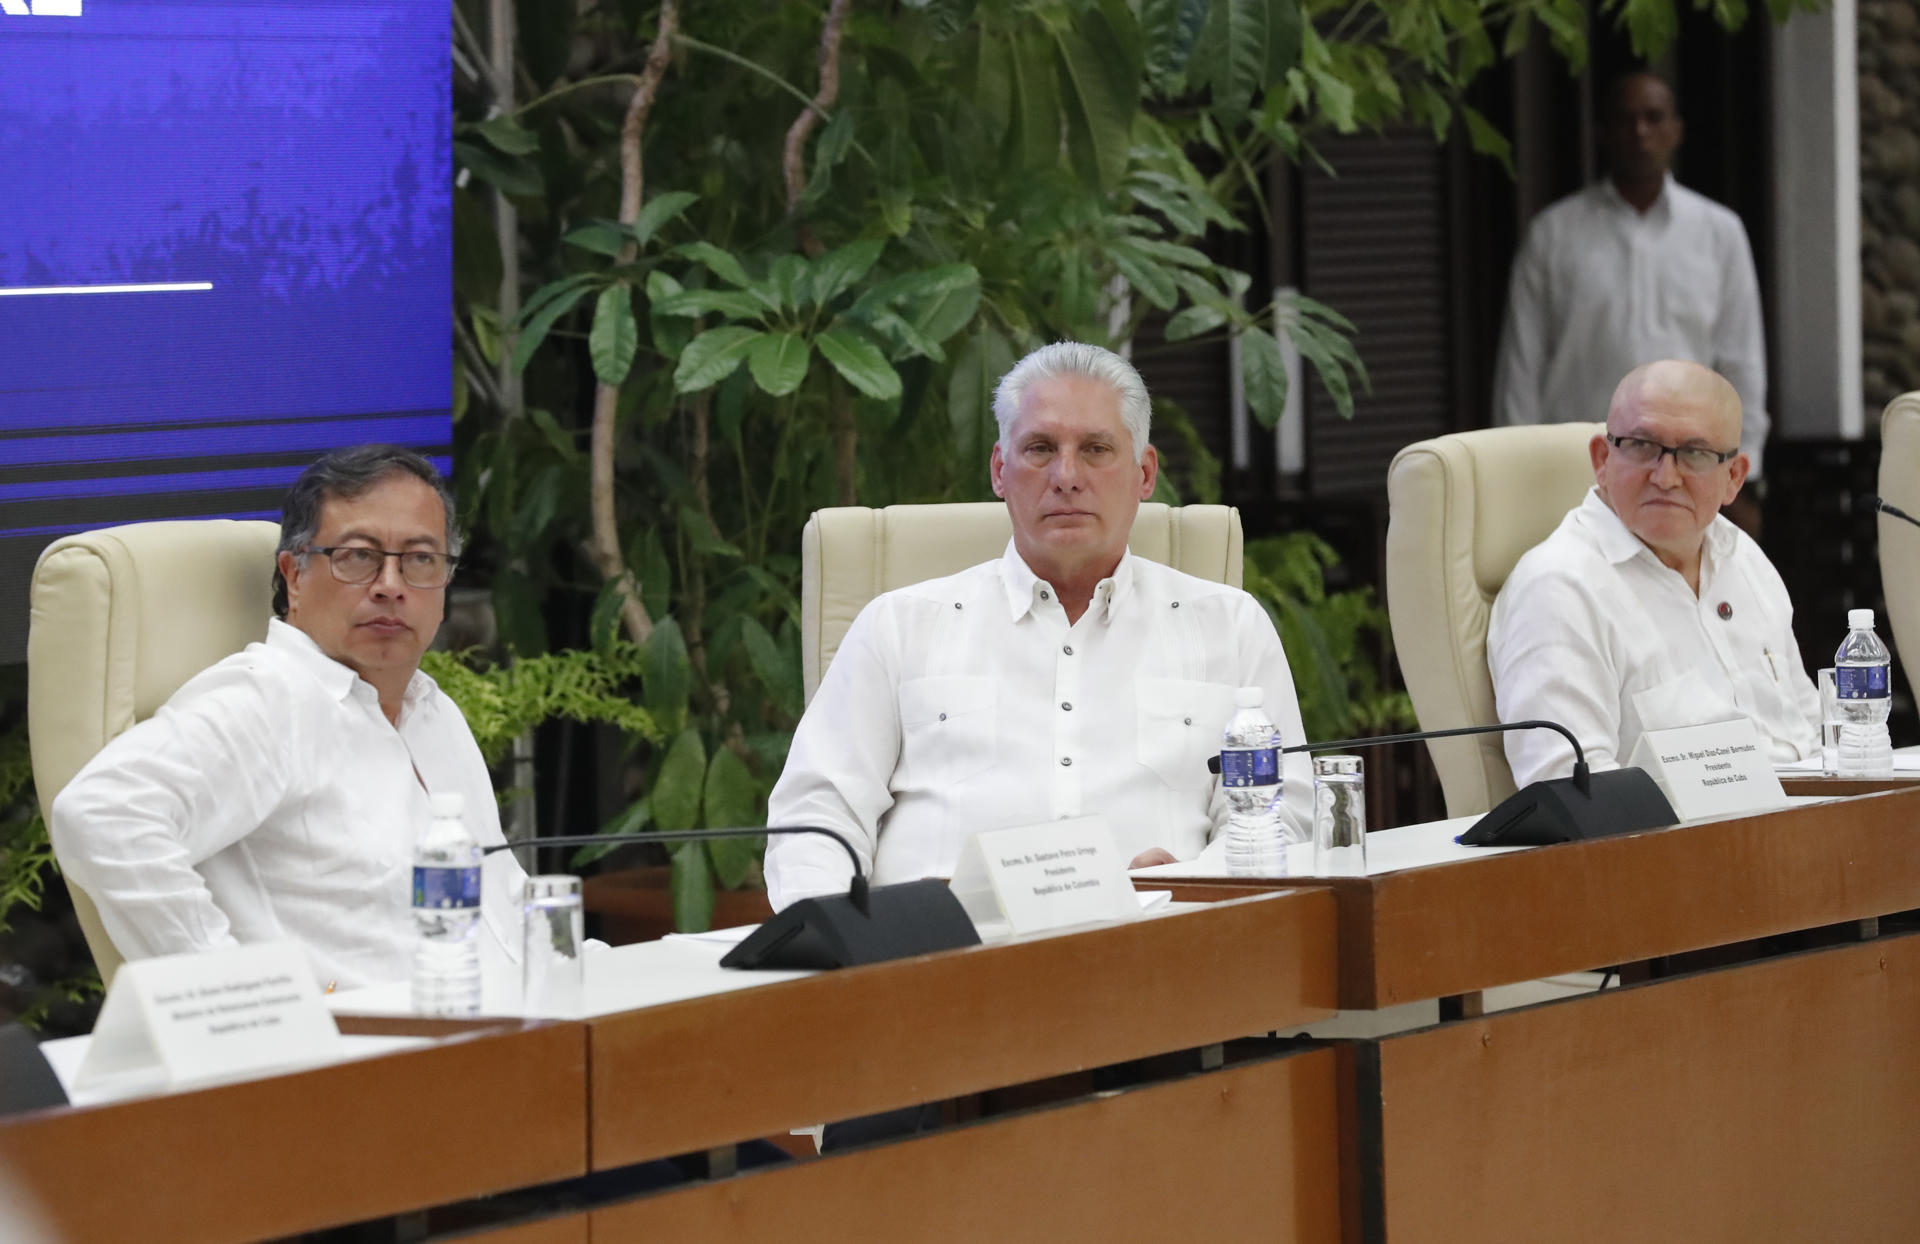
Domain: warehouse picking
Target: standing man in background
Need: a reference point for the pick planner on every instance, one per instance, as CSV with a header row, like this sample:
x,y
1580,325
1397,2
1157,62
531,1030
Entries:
x,y
1634,268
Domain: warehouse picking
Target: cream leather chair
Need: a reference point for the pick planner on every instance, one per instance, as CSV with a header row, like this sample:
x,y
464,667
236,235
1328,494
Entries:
x,y
1900,541
850,555
1461,511
121,617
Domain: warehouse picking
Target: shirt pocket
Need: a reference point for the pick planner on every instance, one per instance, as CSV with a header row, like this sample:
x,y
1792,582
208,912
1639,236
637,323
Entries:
x,y
1683,701
947,732
1180,722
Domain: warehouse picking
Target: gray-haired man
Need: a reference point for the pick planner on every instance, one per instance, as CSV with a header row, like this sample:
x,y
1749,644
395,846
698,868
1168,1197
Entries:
x,y
1067,677
277,794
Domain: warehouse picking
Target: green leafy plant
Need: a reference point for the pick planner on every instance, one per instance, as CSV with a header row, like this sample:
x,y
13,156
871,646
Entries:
x,y
765,256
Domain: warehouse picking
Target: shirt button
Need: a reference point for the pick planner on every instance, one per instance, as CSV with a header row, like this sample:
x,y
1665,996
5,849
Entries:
x,y
1067,648
1044,596
1184,720
956,604
1176,604
1066,706
943,717
1065,761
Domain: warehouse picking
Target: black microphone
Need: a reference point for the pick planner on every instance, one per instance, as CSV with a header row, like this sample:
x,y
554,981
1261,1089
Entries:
x,y
1876,503
1585,805
865,925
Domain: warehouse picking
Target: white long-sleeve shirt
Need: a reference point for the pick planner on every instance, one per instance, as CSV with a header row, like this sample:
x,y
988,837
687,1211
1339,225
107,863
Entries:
x,y
270,798
1599,288
1593,631
968,703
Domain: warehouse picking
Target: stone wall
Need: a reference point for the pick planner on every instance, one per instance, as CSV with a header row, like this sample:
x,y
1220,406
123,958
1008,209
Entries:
x,y
1889,58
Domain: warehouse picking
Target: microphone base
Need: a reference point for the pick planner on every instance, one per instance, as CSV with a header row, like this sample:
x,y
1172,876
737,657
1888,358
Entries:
x,y
1622,801
914,918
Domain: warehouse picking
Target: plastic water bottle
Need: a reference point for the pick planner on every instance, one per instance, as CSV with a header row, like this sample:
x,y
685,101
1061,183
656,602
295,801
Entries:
x,y
1862,690
1250,774
446,914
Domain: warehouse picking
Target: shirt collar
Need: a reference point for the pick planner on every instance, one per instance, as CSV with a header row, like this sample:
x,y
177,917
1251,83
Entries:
x,y
338,679
1618,544
1661,208
1023,587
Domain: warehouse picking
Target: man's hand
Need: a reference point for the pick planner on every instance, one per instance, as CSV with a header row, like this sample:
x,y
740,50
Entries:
x,y
1151,856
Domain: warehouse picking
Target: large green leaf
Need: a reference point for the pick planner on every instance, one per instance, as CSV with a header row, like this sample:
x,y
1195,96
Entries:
x,y
692,303
692,888
598,237
702,537
658,211
723,264
634,819
509,174
857,359
1101,94
1486,138
1144,273
983,359
736,861
778,362
1170,28
732,797
534,331
508,135
677,787
1231,53
614,336
669,677
1035,133
779,675
1194,320
712,357
1263,375
840,269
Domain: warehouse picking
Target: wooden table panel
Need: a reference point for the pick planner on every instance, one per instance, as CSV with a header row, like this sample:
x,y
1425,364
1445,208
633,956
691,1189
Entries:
x,y
1458,927
690,1075
1248,1153
464,1118
565,1229
1778,1100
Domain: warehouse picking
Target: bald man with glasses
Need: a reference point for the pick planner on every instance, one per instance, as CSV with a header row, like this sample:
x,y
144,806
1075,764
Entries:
x,y
277,794
1646,610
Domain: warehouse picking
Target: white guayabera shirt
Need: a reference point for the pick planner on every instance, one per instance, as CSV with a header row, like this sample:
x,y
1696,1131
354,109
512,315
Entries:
x,y
1592,630
270,798
968,703
1598,289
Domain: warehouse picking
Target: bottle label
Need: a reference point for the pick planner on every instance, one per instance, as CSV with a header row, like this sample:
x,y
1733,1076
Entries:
x,y
446,887
1256,766
1860,682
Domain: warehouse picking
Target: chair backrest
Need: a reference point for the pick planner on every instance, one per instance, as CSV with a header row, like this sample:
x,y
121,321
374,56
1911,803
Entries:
x,y
1461,511
1900,541
121,617
850,555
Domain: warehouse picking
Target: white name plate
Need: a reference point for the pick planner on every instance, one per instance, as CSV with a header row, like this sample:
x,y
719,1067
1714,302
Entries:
x,y
195,1018
1713,770
1050,875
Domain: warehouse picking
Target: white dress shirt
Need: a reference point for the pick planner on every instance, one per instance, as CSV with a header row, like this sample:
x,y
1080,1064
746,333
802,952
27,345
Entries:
x,y
1593,631
270,798
968,703
1599,288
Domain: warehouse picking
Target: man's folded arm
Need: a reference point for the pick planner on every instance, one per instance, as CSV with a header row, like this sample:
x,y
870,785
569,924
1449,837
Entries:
x,y
1549,663
838,775
164,796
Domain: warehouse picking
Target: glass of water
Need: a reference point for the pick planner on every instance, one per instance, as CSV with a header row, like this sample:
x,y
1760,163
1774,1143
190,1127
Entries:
x,y
1339,817
1830,721
552,963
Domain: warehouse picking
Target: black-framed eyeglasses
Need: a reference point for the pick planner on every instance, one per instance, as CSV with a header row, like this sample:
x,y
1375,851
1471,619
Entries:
x,y
1689,458
359,564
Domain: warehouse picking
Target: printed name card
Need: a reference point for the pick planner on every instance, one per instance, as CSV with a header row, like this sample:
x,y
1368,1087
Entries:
x,y
193,1019
1717,769
1052,875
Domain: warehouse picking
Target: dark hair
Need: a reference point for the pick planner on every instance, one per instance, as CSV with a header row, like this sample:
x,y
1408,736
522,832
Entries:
x,y
346,473
1617,85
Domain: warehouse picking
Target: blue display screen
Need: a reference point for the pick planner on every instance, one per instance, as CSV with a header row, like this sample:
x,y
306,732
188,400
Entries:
x,y
225,247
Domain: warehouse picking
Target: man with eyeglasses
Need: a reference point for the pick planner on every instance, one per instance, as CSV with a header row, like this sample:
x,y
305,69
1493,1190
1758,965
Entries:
x,y
277,794
1646,610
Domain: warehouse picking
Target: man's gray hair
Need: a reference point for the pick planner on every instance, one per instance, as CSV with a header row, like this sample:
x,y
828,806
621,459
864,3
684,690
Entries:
x,y
1077,358
347,473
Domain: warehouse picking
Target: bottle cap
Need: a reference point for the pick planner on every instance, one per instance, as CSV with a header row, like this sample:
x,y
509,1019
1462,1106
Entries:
x,y
1859,619
449,804
1250,697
